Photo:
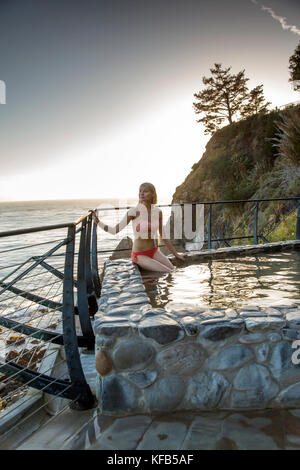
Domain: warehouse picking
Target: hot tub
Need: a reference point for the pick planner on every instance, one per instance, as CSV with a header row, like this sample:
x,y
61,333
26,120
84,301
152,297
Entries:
x,y
261,279
193,351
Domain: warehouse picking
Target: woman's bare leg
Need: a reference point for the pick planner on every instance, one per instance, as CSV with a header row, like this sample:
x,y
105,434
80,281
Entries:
x,y
151,264
161,258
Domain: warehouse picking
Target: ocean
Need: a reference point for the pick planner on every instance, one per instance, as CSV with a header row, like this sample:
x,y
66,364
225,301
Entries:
x,y
25,214
28,214
16,251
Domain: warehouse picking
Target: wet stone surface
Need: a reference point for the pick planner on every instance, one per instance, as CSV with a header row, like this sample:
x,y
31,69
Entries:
x,y
187,357
133,355
222,430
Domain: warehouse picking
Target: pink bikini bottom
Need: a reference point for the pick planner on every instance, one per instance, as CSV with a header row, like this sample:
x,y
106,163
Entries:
x,y
149,253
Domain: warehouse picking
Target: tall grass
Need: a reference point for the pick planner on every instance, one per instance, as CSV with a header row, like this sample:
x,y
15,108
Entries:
x,y
288,139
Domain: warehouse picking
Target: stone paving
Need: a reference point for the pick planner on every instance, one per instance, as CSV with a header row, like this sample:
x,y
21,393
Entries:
x,y
208,430
250,430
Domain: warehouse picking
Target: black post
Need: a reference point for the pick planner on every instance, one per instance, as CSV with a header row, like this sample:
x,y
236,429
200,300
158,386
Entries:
x,y
298,222
95,271
209,227
92,300
85,398
82,294
255,223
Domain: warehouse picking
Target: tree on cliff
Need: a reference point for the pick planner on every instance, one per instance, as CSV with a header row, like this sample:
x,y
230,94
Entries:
x,y
255,104
222,99
294,68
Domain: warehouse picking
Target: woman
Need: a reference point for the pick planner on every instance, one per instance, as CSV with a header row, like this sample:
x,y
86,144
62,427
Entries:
x,y
146,220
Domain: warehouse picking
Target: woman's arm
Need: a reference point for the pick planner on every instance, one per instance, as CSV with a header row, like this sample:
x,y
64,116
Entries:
x,y
113,230
167,242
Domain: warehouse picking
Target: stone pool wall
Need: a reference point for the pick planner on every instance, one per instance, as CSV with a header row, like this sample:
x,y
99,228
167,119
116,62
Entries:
x,y
153,360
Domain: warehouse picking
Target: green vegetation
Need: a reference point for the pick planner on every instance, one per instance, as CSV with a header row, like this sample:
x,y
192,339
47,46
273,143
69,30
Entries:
x,y
226,96
286,229
294,68
255,103
288,141
255,158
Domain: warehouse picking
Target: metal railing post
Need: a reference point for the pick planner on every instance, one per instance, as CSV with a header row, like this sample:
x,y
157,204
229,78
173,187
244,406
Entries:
x,y
255,223
209,226
82,294
298,222
85,398
92,300
95,269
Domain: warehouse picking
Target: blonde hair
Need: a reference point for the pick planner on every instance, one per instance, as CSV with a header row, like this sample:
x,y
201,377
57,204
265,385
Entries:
x,y
153,190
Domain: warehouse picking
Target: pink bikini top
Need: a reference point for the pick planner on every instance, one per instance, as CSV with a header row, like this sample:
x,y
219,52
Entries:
x,y
143,226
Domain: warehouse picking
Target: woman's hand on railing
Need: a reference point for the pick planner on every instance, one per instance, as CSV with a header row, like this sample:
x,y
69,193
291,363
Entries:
x,y
95,217
104,227
181,256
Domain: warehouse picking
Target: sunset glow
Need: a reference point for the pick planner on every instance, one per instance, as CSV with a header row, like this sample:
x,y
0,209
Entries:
x,y
99,97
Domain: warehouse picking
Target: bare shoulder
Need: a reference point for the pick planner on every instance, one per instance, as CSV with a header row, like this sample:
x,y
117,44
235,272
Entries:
x,y
156,210
157,213
133,212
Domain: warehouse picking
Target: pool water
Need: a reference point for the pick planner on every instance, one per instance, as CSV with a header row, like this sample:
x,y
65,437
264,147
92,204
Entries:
x,y
261,280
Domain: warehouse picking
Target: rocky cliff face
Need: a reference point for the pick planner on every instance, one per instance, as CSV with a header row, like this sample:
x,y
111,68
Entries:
x,y
242,162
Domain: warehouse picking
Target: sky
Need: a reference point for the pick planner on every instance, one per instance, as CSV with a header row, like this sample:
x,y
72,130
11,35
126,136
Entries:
x,y
96,96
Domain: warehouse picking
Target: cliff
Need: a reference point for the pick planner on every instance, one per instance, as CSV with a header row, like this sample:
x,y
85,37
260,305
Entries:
x,y
241,161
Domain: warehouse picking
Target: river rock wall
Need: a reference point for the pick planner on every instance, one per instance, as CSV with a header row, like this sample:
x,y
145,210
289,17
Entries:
x,y
183,357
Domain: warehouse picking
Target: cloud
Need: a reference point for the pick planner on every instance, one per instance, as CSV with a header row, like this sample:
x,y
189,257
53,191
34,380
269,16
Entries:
x,y
281,19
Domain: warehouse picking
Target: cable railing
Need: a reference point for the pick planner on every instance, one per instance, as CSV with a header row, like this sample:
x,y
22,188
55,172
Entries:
x,y
258,232
48,302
